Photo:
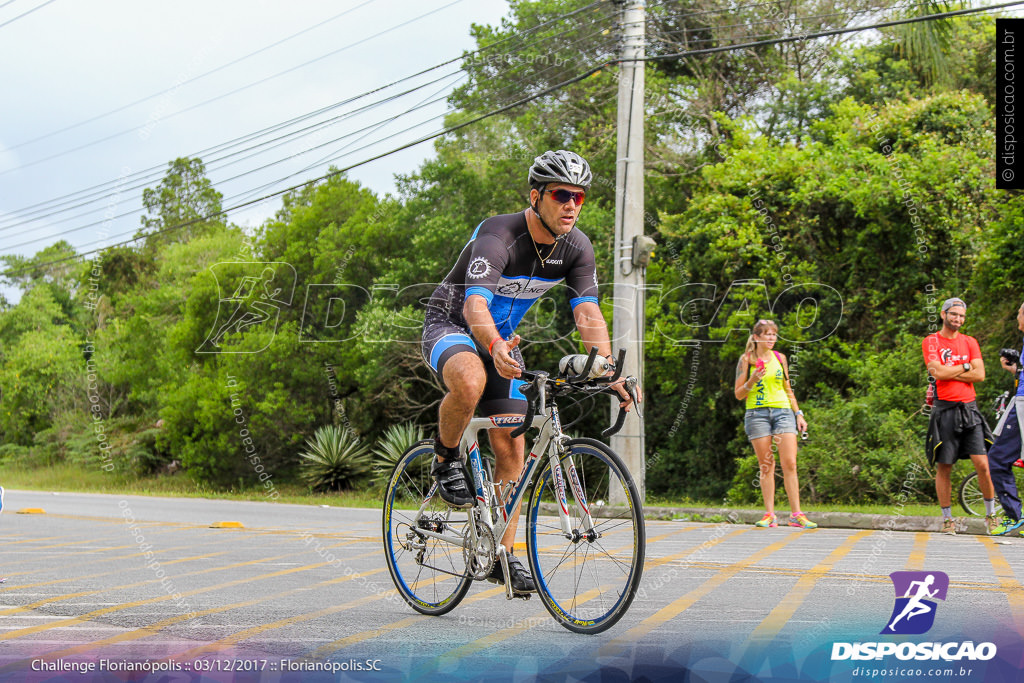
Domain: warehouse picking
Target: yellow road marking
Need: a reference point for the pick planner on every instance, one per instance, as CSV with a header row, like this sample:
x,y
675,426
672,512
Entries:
x,y
917,554
97,575
328,649
678,606
792,601
216,539
18,633
155,628
496,637
1008,583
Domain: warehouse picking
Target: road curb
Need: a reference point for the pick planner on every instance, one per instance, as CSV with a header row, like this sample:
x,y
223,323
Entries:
x,y
825,520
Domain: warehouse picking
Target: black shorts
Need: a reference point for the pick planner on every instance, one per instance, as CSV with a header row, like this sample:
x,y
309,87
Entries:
x,y
960,432
442,339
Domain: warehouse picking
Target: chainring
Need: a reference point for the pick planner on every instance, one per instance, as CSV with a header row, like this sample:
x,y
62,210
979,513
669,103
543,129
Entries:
x,y
479,560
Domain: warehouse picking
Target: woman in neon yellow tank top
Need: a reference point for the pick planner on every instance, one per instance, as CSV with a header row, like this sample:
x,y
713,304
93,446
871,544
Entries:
x,y
762,381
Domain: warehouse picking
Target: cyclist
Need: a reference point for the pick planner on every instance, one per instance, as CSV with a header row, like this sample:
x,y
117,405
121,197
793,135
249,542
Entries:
x,y
1008,448
956,428
469,337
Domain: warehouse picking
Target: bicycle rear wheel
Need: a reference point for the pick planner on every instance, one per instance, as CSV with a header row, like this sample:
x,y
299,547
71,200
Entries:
x,y
971,498
587,581
429,573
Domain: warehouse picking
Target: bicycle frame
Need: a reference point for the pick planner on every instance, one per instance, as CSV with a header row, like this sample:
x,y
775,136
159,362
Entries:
x,y
550,440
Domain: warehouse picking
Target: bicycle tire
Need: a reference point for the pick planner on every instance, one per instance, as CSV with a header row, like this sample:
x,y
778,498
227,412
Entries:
x,y
587,585
430,576
971,499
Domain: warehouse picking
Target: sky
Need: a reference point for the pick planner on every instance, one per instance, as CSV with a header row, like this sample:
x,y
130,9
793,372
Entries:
x,y
98,97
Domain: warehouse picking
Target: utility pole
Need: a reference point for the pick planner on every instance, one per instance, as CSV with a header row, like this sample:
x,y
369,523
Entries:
x,y
632,249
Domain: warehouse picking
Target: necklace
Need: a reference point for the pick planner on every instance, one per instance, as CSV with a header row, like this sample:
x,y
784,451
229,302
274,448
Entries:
x,y
543,259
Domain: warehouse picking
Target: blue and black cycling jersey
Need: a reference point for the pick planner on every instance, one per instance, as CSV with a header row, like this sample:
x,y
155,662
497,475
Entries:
x,y
500,263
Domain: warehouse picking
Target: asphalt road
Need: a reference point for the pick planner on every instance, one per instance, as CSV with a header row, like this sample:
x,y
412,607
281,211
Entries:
x,y
147,584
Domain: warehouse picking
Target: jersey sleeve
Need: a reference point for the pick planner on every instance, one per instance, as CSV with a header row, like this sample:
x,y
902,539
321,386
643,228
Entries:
x,y
973,349
488,258
930,350
582,279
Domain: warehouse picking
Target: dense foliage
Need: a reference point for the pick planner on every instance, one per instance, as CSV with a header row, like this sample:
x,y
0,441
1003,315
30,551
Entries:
x,y
844,191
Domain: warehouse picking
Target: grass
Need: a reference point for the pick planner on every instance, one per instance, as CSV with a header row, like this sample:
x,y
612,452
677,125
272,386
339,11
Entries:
x,y
74,478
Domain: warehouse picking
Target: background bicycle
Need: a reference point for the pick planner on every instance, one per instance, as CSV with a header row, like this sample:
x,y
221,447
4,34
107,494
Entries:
x,y
971,499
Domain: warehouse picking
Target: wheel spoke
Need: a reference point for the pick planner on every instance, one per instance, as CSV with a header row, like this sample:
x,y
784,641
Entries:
x,y
431,576
587,584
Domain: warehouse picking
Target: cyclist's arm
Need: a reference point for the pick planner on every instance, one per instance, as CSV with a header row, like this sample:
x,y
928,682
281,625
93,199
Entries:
x,y
593,328
594,332
481,324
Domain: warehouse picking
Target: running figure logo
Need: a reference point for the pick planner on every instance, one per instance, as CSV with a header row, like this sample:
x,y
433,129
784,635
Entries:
x,y
914,612
258,290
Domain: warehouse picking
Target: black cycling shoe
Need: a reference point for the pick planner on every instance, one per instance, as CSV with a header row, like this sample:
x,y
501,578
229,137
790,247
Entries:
x,y
450,476
522,582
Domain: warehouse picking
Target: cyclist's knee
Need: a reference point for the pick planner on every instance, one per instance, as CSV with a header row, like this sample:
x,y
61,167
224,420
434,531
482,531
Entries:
x,y
465,378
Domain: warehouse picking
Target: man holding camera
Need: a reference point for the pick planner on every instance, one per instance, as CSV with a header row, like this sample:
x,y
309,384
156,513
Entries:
x,y
1008,446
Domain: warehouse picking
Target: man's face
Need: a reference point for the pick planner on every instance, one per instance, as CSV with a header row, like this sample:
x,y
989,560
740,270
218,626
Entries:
x,y
954,317
560,216
1020,318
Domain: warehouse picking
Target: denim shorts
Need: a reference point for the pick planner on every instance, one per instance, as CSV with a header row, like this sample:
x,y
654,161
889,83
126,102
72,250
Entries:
x,y
761,422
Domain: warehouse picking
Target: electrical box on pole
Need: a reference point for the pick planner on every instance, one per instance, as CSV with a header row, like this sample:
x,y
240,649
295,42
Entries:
x,y
632,248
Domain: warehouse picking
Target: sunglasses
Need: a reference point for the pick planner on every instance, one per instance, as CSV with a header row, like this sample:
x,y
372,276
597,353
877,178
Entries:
x,y
563,196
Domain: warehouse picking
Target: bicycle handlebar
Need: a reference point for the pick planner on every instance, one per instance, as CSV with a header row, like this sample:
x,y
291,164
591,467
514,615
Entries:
x,y
539,383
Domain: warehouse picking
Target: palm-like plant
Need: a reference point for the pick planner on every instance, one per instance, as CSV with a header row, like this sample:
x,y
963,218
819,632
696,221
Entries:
x,y
335,459
395,441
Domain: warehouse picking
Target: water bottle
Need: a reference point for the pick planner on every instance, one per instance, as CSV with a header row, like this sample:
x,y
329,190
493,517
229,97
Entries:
x,y
574,365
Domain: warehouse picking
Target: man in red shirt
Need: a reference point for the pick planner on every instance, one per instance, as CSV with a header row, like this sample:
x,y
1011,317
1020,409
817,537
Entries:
x,y
957,428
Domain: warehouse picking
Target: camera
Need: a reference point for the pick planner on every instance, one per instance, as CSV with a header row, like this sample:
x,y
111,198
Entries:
x,y
1012,356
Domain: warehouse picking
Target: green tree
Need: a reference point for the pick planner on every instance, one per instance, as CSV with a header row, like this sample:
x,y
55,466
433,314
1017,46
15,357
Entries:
x,y
182,204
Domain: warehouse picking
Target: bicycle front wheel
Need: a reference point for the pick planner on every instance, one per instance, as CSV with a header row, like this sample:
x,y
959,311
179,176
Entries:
x,y
423,536
588,579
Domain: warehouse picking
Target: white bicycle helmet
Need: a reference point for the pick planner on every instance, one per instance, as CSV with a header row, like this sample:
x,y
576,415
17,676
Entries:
x,y
560,167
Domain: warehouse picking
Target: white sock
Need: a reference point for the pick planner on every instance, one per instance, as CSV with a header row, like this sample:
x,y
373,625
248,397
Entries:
x,y
990,506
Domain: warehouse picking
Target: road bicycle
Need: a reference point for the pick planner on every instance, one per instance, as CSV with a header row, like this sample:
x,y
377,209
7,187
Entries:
x,y
971,499
585,536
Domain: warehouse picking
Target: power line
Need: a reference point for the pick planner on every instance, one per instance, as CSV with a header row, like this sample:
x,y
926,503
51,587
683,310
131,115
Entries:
x,y
430,100
231,92
801,19
92,191
822,34
190,80
508,107
235,177
157,169
336,172
121,189
210,164
24,14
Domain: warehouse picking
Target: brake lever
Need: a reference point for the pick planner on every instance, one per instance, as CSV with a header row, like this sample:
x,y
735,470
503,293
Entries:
x,y
631,389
